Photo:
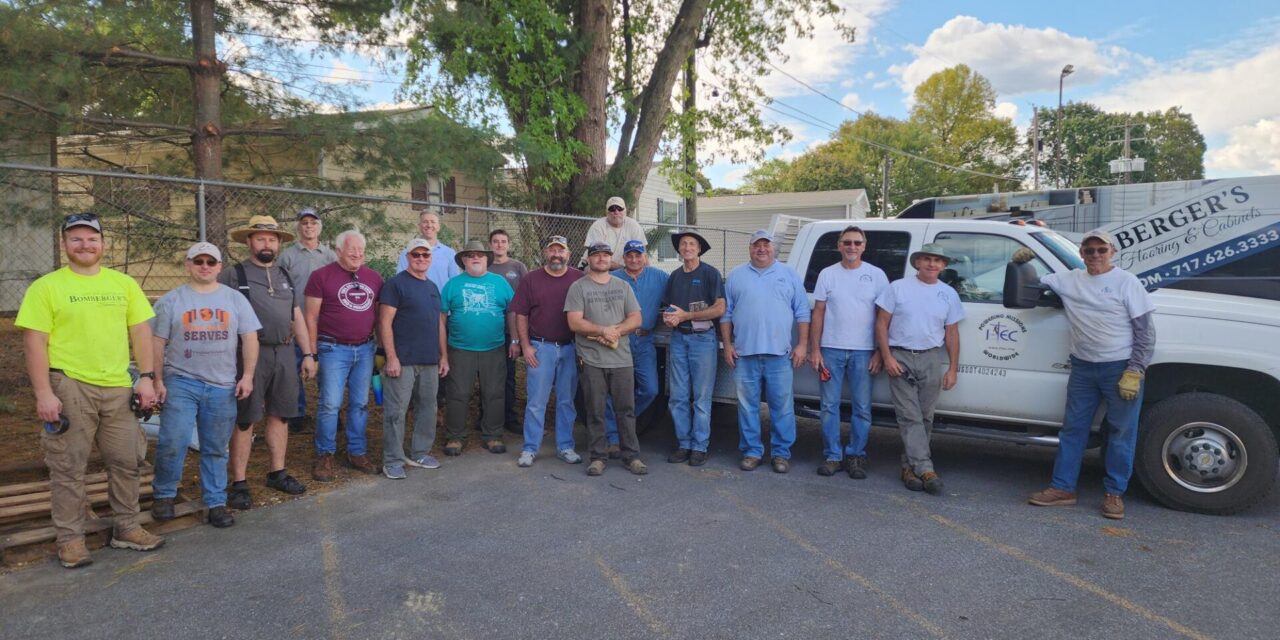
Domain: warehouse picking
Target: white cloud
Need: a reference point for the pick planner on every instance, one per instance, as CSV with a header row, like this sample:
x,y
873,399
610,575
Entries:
x,y
342,73
825,56
1250,149
734,177
1015,58
852,101
1007,110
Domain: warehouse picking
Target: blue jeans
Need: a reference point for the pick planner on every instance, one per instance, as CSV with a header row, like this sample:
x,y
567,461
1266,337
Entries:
x,y
213,411
557,368
776,371
644,356
349,366
1090,384
852,365
302,384
691,374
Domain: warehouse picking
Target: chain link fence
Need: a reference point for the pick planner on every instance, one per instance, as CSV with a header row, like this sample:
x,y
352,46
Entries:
x,y
149,221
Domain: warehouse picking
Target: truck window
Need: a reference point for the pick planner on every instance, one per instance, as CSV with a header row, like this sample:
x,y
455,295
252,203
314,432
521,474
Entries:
x,y
885,249
976,270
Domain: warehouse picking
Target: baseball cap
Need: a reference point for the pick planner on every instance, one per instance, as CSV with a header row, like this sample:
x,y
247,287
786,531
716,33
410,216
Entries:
x,y
634,245
600,247
560,240
86,219
761,234
1101,235
308,212
204,249
418,243
615,202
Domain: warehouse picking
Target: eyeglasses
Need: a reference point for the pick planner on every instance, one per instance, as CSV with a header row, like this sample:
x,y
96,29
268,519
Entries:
x,y
204,262
420,254
852,243
1095,251
615,208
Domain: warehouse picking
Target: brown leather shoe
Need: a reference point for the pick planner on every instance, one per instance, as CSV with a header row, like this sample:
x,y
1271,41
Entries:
x,y
780,465
596,468
361,463
636,466
138,539
74,554
1113,507
911,481
322,468
496,446
1052,497
749,463
932,483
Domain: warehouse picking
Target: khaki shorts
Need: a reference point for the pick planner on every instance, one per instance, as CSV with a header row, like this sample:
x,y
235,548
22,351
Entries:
x,y
275,386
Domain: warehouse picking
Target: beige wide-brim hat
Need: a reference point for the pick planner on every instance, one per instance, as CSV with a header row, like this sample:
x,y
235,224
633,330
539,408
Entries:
x,y
931,249
261,223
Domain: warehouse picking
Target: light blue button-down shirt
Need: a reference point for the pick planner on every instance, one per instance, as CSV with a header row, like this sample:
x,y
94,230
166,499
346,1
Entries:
x,y
443,266
648,289
763,305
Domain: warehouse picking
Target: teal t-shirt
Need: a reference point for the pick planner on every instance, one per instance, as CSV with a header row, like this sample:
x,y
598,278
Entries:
x,y
477,309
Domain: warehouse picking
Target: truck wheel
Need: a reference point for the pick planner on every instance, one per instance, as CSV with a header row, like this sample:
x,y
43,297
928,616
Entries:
x,y
655,418
1206,453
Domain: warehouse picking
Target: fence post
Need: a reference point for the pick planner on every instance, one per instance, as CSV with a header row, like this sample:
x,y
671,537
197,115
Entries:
x,y
724,253
466,225
200,211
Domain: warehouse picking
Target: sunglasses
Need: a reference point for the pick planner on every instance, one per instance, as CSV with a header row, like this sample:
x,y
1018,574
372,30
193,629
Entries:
x,y
616,208
80,217
204,262
1095,251
420,254
852,243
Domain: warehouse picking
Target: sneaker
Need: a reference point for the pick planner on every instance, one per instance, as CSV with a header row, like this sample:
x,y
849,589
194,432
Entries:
x,y
596,468
570,456
911,481
780,465
453,448
526,459
426,461
74,554
679,456
615,451
829,468
138,539
1052,497
856,466
1113,507
393,471
162,509
636,466
322,468
749,463
360,463
932,483
238,497
284,483
697,458
496,446
220,518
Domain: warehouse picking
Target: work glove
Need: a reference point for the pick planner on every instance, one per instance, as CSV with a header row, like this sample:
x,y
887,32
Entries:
x,y
1130,384
1023,255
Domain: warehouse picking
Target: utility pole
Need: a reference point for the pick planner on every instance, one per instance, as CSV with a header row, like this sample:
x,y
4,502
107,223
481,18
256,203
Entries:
x,y
1057,125
1126,163
884,187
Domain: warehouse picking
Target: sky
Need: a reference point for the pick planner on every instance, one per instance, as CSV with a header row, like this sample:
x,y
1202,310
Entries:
x,y
1218,61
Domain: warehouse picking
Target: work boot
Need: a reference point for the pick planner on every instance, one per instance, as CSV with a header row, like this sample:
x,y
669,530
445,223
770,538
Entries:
x,y
932,483
749,463
1052,497
361,463
781,465
238,497
829,468
219,517
856,466
1113,507
596,468
322,468
697,458
138,539
911,481
679,456
74,554
636,466
162,509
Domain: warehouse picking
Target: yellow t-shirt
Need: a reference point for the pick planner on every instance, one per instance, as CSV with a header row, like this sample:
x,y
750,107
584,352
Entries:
x,y
87,319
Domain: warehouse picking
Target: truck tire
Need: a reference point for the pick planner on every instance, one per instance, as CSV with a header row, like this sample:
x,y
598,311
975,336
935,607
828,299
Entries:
x,y
1205,453
656,418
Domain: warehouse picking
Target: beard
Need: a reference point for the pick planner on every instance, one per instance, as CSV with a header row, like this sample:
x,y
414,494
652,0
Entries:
x,y
266,256
556,264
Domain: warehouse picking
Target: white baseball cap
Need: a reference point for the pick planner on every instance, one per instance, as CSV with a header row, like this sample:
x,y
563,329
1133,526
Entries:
x,y
204,249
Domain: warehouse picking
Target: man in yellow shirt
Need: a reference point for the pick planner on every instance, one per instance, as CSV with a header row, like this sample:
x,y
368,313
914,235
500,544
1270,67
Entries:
x,y
78,323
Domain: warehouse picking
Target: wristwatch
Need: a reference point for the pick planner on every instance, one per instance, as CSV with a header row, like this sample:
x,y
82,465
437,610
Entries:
x,y
310,355
147,374
515,342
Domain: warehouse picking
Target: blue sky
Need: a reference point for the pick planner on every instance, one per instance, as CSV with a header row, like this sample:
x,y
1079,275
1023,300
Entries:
x,y
1219,61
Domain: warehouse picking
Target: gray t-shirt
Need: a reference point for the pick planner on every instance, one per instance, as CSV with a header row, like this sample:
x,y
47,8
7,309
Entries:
x,y
271,296
300,261
512,270
203,330
604,304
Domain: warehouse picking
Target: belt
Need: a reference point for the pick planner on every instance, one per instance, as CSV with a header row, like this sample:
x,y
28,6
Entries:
x,y
687,331
348,343
641,332
914,350
558,343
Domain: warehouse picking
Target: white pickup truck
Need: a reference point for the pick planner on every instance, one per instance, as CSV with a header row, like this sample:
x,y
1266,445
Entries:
x,y
1207,442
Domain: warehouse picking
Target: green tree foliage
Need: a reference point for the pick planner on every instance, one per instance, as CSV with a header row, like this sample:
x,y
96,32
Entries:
x,y
955,110
1173,146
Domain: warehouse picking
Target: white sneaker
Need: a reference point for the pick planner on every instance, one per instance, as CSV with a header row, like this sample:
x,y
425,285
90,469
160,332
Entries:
x,y
570,456
526,459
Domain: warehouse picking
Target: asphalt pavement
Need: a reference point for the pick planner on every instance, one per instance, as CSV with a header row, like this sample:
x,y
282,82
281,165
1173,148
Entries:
x,y
483,549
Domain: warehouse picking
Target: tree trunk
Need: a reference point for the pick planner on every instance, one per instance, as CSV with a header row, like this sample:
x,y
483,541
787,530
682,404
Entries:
x,y
690,139
206,141
594,25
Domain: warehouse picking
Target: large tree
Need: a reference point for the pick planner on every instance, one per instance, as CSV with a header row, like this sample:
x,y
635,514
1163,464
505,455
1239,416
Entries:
x,y
563,74
1169,141
955,110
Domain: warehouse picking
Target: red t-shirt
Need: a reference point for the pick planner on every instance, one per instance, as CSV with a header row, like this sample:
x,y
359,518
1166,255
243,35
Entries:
x,y
349,301
541,297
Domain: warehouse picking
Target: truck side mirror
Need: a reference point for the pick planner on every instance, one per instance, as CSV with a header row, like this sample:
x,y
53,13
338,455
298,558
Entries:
x,y
1022,288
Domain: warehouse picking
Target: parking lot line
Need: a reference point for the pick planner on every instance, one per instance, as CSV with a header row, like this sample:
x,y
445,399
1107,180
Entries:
x,y
1070,578
633,601
840,568
332,583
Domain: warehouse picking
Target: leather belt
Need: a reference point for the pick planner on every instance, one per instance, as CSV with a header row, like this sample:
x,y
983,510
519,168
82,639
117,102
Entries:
x,y
558,343
641,332
914,350
344,342
688,331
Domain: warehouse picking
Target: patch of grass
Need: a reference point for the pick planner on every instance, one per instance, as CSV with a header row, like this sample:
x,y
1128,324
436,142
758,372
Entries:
x,y
7,406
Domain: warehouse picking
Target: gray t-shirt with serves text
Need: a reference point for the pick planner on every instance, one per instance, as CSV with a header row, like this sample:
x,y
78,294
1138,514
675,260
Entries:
x,y
203,330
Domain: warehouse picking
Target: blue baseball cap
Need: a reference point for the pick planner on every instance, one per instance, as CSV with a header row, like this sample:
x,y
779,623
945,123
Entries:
x,y
634,245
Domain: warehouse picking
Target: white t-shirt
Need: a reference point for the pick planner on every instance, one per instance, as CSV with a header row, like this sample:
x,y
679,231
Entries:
x,y
616,237
850,294
1101,310
921,312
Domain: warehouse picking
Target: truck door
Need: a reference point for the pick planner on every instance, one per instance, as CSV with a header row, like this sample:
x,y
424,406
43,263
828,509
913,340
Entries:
x,y
1010,359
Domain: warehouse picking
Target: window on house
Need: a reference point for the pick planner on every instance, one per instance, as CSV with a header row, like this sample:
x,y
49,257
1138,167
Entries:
x,y
672,214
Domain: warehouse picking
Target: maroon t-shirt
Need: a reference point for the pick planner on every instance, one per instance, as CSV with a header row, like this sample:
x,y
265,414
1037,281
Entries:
x,y
541,297
349,302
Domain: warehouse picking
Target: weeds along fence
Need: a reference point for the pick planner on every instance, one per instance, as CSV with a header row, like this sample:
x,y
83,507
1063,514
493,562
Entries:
x,y
149,221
